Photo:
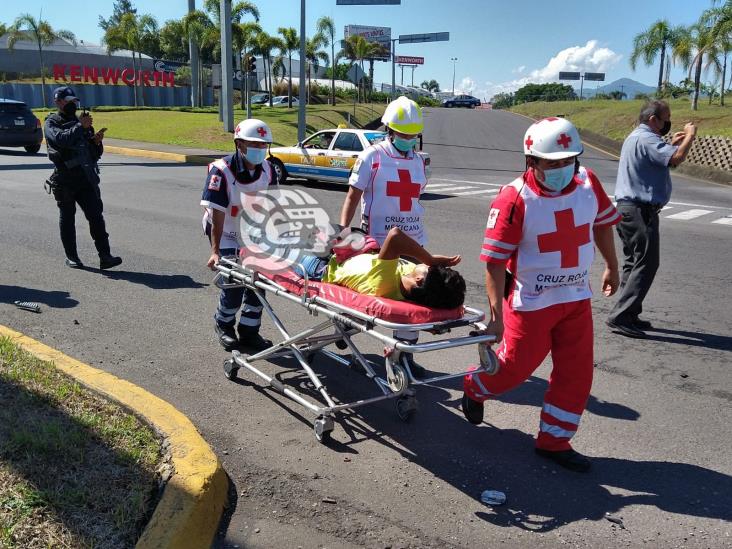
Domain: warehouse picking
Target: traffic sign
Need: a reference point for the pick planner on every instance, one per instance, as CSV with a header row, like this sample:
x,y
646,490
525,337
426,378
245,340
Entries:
x,y
428,37
409,60
569,76
355,74
595,76
366,2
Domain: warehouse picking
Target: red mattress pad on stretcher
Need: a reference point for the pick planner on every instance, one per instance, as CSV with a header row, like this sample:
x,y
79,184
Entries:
x,y
390,310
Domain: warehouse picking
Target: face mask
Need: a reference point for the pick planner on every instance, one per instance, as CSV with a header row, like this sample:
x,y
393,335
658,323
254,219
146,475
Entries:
x,y
559,178
255,156
69,109
404,145
666,127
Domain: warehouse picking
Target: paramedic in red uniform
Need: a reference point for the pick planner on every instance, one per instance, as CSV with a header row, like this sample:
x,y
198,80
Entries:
x,y
538,248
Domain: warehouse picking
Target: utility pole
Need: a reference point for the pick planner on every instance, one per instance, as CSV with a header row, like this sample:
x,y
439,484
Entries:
x,y
301,99
392,95
193,54
454,63
227,70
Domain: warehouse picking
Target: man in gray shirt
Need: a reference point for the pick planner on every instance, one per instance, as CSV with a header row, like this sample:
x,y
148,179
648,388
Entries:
x,y
642,188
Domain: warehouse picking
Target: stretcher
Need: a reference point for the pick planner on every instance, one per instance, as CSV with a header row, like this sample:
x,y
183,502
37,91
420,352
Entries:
x,y
346,314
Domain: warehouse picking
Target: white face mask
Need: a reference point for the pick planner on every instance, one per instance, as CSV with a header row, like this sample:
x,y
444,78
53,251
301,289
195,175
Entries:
x,y
558,178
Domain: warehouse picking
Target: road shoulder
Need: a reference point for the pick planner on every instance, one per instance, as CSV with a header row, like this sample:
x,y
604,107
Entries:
x,y
193,500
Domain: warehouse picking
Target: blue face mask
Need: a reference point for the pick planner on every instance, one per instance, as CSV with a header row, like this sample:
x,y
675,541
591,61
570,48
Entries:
x,y
255,156
557,179
404,145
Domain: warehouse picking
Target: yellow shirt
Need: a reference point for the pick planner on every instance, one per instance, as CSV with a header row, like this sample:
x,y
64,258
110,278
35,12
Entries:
x,y
369,275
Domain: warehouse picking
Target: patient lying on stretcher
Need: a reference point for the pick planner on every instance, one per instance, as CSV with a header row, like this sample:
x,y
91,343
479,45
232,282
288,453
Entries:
x,y
431,282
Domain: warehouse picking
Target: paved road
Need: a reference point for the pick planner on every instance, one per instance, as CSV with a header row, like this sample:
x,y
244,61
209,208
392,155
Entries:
x,y
657,422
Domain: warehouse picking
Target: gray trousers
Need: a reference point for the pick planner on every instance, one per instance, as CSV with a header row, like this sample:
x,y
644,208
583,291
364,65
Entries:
x,y
638,231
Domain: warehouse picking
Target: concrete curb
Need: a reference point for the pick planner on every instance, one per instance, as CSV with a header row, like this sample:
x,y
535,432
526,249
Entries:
x,y
193,500
161,155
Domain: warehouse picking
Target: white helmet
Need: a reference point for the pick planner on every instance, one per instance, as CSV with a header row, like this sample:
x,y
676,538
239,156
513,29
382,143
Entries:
x,y
253,129
403,115
552,138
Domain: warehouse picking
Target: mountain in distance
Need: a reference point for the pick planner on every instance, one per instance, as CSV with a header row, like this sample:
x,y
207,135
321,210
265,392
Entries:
x,y
626,85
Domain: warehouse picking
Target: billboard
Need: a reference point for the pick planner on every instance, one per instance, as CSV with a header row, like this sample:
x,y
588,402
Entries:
x,y
595,76
569,75
409,60
377,35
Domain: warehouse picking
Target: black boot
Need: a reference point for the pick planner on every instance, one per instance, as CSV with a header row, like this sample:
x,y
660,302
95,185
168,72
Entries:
x,y
251,342
107,261
227,337
569,459
472,409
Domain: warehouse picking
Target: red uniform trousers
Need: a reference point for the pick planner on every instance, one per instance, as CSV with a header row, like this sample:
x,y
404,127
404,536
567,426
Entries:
x,y
564,329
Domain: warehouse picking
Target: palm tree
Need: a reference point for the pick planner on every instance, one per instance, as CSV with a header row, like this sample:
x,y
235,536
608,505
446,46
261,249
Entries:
x,y
244,40
197,27
131,33
3,29
656,39
325,27
720,19
695,44
356,49
290,44
431,85
26,27
314,55
264,45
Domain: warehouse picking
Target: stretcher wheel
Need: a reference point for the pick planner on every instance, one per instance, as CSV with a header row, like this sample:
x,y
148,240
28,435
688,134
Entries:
x,y
230,369
406,407
398,380
342,345
323,427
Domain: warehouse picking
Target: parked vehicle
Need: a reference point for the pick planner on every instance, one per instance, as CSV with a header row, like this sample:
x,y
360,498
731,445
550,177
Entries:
x,y
260,99
19,127
461,101
328,155
281,101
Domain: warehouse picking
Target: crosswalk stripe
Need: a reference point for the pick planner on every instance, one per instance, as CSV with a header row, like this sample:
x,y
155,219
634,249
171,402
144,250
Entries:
x,y
724,221
486,191
435,185
689,214
450,189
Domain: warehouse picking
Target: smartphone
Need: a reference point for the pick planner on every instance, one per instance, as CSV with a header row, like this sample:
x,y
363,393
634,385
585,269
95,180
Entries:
x,y
102,130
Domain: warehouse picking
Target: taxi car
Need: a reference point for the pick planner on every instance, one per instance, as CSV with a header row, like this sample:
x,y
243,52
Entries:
x,y
328,155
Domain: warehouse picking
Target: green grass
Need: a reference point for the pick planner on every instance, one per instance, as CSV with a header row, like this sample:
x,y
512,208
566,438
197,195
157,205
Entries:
x,y
616,119
75,470
203,129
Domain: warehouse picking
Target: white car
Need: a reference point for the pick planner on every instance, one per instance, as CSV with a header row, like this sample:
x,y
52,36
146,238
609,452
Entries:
x,y
281,101
328,155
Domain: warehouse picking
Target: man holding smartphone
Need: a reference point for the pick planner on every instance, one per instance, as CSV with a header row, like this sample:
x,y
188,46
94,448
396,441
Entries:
x,y
75,148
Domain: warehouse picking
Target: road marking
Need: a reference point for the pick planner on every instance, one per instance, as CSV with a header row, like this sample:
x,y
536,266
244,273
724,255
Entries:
x,y
724,221
689,214
435,185
488,191
700,205
466,181
450,189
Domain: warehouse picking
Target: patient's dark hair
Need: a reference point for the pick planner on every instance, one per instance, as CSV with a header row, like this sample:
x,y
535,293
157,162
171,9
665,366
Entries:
x,y
443,288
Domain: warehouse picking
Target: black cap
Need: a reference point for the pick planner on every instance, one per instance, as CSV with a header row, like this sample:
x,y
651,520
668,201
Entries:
x,y
64,92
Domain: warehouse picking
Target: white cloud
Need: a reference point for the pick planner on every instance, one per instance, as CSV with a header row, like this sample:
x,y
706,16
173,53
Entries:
x,y
589,58
467,85
519,70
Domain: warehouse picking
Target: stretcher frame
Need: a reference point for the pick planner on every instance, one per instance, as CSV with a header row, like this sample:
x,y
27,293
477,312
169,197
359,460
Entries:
x,y
347,322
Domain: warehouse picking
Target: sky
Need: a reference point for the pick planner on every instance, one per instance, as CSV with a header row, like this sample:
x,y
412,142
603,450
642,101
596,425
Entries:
x,y
499,44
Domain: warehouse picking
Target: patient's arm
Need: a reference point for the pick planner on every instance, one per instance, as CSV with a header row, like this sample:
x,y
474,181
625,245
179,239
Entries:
x,y
398,243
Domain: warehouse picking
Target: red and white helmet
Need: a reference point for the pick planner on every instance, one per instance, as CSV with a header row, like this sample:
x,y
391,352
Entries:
x,y
552,138
253,129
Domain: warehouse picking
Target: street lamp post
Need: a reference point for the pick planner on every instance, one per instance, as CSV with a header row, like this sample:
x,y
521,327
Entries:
x,y
393,68
454,63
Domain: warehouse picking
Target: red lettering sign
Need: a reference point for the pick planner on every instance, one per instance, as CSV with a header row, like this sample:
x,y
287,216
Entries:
x,y
85,73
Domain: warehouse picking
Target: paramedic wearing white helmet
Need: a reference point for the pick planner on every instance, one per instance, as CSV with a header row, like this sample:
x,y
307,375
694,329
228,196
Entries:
x,y
247,170
388,179
538,247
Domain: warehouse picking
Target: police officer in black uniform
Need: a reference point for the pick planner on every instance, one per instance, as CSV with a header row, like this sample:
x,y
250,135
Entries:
x,y
75,148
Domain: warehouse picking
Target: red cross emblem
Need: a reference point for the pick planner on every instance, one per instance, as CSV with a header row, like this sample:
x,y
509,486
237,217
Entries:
x,y
262,132
405,189
528,142
566,240
564,140
551,119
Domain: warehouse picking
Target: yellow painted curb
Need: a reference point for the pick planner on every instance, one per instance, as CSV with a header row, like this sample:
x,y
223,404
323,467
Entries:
x,y
193,500
175,157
